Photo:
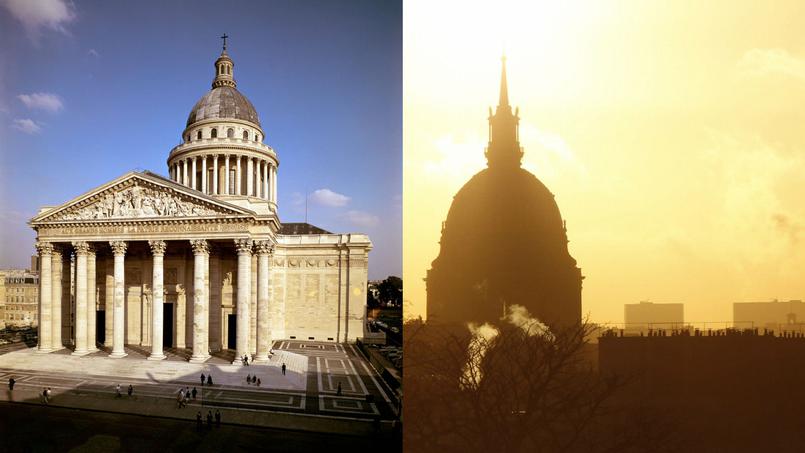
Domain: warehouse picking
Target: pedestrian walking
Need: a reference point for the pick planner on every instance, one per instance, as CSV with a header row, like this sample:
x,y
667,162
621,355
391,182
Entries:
x,y
258,382
209,419
254,379
209,379
131,390
194,392
202,379
217,418
49,394
338,391
117,391
248,378
198,420
179,399
11,383
44,395
283,369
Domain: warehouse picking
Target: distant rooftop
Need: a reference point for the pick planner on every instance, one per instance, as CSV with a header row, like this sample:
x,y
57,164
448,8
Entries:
x,y
301,228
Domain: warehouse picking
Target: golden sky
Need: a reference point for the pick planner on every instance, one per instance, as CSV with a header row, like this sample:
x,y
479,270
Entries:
x,y
671,133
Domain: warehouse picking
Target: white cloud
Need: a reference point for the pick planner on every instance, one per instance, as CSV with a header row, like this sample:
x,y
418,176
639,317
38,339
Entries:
x,y
37,14
362,219
765,62
26,125
45,101
93,53
327,197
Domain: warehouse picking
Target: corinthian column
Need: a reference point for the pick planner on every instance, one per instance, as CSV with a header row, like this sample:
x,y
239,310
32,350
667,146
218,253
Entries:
x,y
158,250
244,248
91,289
250,176
119,249
57,263
204,174
201,350
45,250
81,250
264,250
216,174
238,184
226,174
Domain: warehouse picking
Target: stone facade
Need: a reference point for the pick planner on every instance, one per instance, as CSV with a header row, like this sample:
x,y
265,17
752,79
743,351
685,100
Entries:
x,y
198,260
19,296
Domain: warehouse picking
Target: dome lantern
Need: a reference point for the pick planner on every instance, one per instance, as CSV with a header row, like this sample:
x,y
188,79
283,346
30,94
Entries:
x,y
223,69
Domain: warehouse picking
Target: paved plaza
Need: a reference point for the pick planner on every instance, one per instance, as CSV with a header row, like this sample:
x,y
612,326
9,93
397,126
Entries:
x,y
305,397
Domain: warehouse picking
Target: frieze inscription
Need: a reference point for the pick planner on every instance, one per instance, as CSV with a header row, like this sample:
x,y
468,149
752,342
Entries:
x,y
135,229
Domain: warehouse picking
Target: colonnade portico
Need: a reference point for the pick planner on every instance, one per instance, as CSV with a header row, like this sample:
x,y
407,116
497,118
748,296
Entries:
x,y
51,302
224,174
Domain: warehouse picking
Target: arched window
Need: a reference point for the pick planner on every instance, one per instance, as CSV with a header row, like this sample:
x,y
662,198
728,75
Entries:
x,y
245,135
214,133
230,133
198,135
187,138
257,137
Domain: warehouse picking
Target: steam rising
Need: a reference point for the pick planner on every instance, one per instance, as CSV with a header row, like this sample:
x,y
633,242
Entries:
x,y
483,335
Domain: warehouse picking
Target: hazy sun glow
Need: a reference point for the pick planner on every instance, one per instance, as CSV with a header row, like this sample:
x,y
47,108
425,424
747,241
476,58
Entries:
x,y
670,134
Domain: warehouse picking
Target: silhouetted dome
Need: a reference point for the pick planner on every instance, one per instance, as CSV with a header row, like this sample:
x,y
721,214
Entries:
x,y
497,204
504,243
223,102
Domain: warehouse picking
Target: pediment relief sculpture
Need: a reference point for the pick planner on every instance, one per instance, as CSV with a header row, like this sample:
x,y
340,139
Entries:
x,y
135,202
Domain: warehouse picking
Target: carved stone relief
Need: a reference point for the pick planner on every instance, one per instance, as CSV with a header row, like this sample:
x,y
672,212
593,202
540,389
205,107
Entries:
x,y
134,202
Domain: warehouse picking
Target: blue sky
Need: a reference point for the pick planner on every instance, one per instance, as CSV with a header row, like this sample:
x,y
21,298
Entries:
x,y
91,90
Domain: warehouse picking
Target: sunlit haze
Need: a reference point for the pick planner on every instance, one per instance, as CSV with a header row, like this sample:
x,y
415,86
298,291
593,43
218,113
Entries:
x,y
670,133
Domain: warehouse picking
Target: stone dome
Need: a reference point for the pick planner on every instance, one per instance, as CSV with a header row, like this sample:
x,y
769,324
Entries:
x,y
224,102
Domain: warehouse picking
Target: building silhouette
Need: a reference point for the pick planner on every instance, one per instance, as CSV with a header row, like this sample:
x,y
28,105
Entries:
x,y
504,241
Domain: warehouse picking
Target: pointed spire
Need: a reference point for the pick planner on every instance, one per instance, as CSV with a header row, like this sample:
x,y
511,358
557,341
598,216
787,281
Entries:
x,y
504,88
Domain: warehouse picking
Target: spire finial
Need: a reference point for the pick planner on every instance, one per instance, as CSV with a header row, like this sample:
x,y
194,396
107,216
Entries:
x,y
504,88
224,38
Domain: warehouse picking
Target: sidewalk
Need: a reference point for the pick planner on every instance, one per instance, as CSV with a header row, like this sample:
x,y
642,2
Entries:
x,y
161,407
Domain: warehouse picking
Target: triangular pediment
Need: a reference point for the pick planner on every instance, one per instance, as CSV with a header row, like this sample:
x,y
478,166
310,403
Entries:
x,y
140,196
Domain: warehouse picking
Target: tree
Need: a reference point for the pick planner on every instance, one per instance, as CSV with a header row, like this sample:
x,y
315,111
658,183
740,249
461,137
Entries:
x,y
519,390
390,291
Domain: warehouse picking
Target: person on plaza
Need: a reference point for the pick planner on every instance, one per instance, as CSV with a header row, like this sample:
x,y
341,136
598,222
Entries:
x,y
254,379
180,398
44,395
198,420
338,391
202,379
209,419
217,418
283,369
248,378
209,379
258,382
194,392
11,383
117,391
131,390
48,393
